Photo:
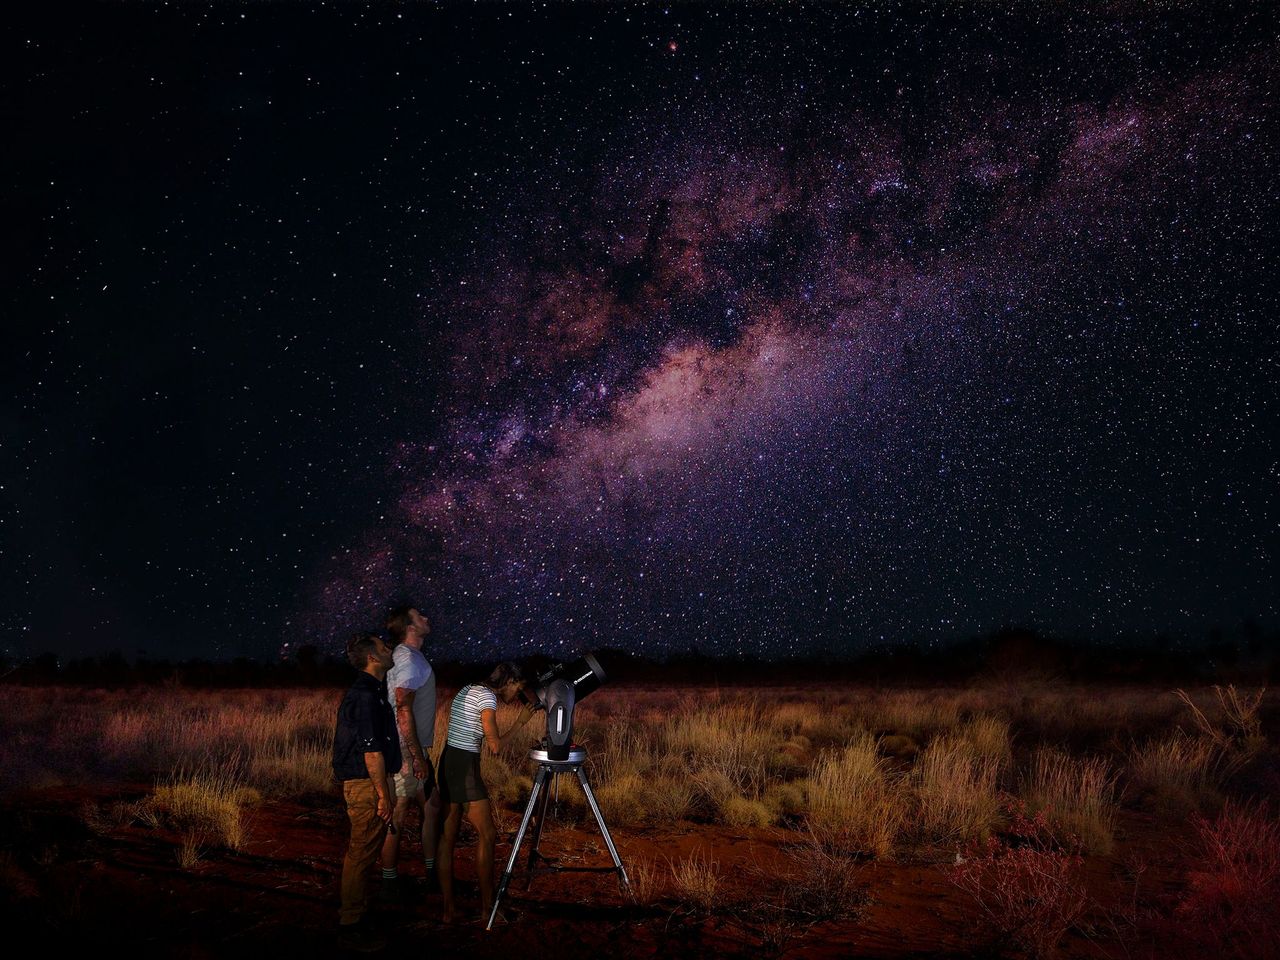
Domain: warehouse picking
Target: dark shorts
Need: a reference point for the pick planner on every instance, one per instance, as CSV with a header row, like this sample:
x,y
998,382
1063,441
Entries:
x,y
460,780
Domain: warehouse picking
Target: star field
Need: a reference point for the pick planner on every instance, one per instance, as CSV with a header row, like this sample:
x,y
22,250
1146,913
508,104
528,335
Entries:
x,y
755,331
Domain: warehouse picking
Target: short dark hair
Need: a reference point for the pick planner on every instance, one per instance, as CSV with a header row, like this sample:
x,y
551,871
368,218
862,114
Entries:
x,y
360,647
503,674
397,622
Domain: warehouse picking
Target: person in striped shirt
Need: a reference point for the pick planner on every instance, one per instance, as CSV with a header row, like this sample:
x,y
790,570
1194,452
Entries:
x,y
473,726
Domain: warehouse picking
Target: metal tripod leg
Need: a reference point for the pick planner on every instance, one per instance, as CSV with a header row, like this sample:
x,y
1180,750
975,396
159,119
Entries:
x,y
538,783
541,819
604,830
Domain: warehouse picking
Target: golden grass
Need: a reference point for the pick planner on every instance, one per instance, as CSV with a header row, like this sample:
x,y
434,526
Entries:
x,y
206,805
745,812
695,880
191,849
728,740
645,883
988,736
622,800
862,769
855,804
956,791
1078,796
1179,772
1233,723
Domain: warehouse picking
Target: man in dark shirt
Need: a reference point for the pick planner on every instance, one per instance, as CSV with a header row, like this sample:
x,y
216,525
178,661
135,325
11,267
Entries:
x,y
366,750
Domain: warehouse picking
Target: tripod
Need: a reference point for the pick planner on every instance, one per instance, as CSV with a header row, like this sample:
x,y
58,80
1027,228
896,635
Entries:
x,y
538,797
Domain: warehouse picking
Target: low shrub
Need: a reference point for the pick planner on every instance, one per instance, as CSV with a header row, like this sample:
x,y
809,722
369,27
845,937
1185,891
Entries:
x,y
1028,887
1229,906
822,886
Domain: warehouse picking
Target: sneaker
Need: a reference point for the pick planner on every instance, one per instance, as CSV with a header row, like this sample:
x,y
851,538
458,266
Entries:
x,y
360,938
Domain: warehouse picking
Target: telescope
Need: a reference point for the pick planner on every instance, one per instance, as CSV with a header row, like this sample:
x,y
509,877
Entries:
x,y
557,691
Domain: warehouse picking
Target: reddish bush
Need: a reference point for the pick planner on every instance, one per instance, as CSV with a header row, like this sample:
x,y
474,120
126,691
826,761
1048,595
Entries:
x,y
1229,906
1027,884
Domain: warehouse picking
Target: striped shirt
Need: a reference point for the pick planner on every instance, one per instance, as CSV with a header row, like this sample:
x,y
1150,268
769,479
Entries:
x,y
465,729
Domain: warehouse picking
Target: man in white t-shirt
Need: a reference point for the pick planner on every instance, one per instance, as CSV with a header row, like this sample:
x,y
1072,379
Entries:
x,y
411,687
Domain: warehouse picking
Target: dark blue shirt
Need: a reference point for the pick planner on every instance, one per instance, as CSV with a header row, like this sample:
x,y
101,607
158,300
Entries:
x,y
366,724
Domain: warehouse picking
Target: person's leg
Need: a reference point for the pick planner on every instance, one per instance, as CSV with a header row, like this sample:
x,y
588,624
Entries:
x,y
391,845
480,815
444,857
431,815
362,848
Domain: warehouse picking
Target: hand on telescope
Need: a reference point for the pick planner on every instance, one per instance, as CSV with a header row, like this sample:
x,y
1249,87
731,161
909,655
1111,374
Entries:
x,y
525,713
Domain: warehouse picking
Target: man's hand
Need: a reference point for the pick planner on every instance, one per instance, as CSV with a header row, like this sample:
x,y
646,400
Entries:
x,y
418,766
384,807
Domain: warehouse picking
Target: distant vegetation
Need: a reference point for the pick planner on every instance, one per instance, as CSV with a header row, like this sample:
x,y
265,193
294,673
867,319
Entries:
x,y
1011,787
1249,655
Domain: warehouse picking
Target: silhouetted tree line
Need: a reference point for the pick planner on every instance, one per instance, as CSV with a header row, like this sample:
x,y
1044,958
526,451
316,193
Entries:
x,y
1250,655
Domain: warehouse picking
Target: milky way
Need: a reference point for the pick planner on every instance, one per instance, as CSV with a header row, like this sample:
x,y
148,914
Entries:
x,y
777,374
739,328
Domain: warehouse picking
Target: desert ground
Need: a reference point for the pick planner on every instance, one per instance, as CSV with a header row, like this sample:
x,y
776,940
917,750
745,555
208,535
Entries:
x,y
1024,819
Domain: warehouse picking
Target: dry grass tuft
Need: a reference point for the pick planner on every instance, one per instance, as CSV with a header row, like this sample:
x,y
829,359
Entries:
x,y
695,881
645,887
1238,725
1078,796
956,791
989,737
855,806
622,800
1228,908
725,743
206,806
822,886
192,848
669,798
1177,773
743,812
785,800
95,818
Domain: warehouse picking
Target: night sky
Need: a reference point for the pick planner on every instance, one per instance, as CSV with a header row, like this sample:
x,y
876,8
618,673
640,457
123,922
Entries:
x,y
750,329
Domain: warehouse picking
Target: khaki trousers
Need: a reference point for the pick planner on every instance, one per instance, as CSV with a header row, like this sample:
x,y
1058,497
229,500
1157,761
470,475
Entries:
x,y
367,831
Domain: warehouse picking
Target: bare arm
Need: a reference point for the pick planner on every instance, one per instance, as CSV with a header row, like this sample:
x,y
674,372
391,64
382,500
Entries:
x,y
489,721
407,724
526,711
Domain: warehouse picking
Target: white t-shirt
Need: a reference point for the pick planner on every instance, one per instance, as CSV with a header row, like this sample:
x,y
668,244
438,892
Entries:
x,y
411,671
465,730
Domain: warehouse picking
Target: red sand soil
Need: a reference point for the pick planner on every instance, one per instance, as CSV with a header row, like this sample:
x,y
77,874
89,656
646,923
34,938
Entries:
x,y
121,886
